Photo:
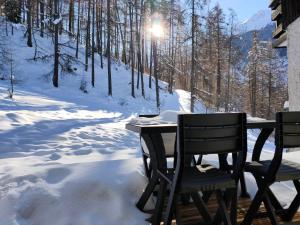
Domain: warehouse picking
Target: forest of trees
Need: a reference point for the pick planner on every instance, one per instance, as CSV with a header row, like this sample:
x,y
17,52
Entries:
x,y
191,46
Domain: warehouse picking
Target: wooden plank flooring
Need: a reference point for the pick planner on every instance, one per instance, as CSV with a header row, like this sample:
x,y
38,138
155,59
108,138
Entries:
x,y
190,215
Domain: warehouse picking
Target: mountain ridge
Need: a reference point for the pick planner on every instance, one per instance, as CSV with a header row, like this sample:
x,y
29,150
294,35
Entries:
x,y
259,20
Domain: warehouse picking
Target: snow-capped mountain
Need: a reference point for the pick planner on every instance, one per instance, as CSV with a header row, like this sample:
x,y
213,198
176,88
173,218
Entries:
x,y
258,21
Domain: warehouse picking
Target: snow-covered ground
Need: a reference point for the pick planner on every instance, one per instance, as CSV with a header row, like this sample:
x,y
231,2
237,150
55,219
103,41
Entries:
x,y
65,156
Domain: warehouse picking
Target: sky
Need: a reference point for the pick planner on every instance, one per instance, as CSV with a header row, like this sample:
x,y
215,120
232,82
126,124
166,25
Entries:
x,y
243,8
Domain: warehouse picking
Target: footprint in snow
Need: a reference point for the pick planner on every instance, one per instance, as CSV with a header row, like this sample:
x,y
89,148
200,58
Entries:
x,y
13,117
54,156
83,152
56,175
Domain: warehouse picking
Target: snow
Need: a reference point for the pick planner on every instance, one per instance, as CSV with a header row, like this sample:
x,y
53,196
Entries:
x,y
258,21
57,21
286,105
65,156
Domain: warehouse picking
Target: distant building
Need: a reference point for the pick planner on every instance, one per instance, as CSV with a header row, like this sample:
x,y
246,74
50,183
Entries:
x,y
286,13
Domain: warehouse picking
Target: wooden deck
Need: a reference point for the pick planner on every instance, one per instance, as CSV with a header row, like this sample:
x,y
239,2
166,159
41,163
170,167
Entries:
x,y
190,215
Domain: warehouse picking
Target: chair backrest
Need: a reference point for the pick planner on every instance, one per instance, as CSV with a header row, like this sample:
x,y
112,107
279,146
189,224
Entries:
x,y
212,133
287,135
288,130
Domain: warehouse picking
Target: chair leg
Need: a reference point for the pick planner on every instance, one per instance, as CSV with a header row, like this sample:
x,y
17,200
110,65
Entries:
x,y
270,210
170,207
218,217
289,213
199,160
177,211
206,196
244,192
223,209
251,213
276,204
147,193
159,203
233,209
201,206
146,167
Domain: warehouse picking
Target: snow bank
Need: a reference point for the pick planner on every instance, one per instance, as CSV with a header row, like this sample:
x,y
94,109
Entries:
x,y
65,156
88,193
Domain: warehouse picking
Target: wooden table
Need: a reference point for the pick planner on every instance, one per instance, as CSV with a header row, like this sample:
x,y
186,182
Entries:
x,y
151,133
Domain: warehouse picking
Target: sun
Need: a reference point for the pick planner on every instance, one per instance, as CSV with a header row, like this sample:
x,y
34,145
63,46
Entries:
x,y
157,30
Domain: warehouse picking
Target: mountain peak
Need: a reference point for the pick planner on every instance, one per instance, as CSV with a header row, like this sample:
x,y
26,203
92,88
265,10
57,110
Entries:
x,y
259,20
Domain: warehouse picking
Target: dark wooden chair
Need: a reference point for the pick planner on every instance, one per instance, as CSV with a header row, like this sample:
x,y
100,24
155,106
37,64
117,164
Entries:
x,y
148,153
201,134
267,172
145,152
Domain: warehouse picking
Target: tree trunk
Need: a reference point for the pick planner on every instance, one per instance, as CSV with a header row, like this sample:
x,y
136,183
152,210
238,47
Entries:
x,y
29,24
131,49
56,50
108,49
87,40
71,17
192,83
101,34
93,45
42,5
78,29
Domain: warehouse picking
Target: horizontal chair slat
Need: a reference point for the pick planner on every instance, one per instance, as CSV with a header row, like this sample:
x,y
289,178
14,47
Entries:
x,y
212,132
211,127
291,128
210,120
212,146
290,117
291,141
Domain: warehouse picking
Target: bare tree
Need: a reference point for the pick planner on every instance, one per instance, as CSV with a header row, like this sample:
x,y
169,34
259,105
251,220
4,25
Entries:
x,y
56,22
108,50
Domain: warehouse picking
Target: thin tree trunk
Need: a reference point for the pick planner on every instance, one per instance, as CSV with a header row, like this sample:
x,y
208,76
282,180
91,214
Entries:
x,y
78,29
151,62
42,5
193,59
138,43
218,63
37,14
229,70
142,23
56,50
29,24
131,49
101,34
71,17
93,45
108,49
87,40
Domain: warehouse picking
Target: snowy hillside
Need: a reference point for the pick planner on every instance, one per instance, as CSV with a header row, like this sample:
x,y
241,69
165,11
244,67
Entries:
x,y
64,152
258,21
65,156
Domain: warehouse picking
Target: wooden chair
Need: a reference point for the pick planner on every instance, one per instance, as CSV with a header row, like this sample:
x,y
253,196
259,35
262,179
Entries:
x,y
201,134
147,152
267,172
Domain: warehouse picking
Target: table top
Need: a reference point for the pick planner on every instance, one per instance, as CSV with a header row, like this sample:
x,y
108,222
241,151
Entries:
x,y
172,127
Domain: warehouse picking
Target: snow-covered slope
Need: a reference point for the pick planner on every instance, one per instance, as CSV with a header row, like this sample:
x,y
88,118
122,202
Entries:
x,y
259,20
65,156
